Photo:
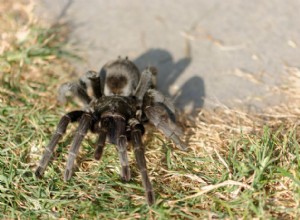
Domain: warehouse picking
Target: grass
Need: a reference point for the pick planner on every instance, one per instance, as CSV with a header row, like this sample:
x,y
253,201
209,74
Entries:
x,y
239,165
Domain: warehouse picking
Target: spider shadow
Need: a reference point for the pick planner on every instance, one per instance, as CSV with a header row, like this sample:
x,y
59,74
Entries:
x,y
192,92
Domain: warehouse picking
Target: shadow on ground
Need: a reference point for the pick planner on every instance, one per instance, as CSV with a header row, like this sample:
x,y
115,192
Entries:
x,y
192,92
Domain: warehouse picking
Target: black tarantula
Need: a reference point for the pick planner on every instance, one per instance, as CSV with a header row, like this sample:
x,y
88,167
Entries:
x,y
124,99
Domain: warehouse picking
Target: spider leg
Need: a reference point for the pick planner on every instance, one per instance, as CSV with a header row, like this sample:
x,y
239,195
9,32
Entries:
x,y
154,76
60,130
141,89
102,130
158,97
160,118
95,83
144,84
79,88
122,150
116,135
100,145
139,152
84,125
76,89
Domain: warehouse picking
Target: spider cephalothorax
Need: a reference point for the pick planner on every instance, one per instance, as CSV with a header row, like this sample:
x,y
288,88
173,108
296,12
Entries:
x,y
124,99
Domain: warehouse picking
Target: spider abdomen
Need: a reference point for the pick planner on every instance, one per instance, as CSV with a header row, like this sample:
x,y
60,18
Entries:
x,y
121,77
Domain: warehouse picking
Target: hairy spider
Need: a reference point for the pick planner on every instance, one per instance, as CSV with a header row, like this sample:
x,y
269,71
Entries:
x,y
124,99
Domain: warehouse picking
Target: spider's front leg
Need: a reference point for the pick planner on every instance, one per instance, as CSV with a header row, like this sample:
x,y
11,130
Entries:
x,y
139,152
84,124
101,129
123,157
158,97
146,81
119,126
114,129
158,115
60,130
145,89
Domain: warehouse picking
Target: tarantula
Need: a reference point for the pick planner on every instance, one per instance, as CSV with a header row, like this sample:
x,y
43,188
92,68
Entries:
x,y
124,99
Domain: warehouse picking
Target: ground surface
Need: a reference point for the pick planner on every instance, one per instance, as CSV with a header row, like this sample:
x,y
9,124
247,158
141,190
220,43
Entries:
x,y
208,52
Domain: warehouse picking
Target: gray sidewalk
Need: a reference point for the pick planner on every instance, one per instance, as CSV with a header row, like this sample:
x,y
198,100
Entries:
x,y
207,52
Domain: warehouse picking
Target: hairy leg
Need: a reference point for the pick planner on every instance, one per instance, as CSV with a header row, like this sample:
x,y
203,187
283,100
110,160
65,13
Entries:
x,y
60,130
100,145
79,88
142,88
102,130
76,89
122,150
84,125
117,136
139,152
160,118
158,97
95,83
154,76
144,84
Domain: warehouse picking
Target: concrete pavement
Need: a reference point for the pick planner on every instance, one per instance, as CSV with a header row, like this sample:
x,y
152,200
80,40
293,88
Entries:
x,y
207,52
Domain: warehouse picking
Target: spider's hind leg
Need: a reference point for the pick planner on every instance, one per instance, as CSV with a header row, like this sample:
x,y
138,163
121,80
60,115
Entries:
x,y
60,130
